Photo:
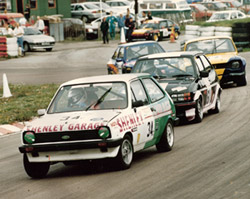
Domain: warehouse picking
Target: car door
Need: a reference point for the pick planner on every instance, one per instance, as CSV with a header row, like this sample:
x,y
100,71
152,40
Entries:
x,y
142,110
164,28
205,83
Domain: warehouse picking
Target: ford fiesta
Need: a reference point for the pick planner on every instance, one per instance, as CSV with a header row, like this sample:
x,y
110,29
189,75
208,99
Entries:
x,y
99,117
189,78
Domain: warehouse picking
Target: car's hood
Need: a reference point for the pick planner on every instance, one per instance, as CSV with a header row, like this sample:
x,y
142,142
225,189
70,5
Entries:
x,y
76,121
220,58
38,38
184,85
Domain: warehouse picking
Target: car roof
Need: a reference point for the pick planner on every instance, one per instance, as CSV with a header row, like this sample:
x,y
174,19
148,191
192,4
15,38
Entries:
x,y
106,78
137,43
227,11
208,38
171,54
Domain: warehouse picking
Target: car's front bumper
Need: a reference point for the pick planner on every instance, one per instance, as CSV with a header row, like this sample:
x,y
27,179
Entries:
x,y
185,110
43,45
231,77
71,151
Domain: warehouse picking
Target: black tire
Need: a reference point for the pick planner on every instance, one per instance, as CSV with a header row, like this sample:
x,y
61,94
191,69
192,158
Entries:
x,y
26,47
35,170
48,49
242,81
125,155
198,111
166,142
217,106
155,37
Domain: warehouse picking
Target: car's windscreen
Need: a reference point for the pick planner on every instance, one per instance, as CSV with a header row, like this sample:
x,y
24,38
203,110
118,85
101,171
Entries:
x,y
95,96
149,25
31,31
133,52
212,46
172,67
220,16
90,6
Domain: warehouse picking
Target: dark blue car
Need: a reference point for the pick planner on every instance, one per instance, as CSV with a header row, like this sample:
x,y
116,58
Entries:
x,y
126,55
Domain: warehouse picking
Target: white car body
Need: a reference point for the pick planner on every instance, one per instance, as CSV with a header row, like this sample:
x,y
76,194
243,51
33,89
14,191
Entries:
x,y
34,40
120,6
72,133
226,15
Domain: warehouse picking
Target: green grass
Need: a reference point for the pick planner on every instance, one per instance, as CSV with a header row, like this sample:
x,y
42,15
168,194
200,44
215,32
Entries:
x,y
25,102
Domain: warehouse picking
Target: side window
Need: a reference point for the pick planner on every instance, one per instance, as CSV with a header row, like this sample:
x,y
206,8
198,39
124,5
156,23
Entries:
x,y
138,93
163,24
154,92
115,53
199,64
206,63
121,53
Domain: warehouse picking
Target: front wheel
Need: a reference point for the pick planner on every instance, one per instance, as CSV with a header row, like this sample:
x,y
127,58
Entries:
x,y
242,81
26,47
155,37
217,106
34,169
48,49
125,154
166,142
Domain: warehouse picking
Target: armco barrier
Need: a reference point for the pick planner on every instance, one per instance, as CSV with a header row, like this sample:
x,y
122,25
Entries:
x,y
3,47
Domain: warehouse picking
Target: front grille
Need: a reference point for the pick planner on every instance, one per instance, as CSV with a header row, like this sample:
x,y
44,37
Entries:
x,y
66,136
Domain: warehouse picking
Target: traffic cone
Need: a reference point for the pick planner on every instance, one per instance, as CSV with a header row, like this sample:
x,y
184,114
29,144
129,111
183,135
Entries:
x,y
123,39
172,35
6,89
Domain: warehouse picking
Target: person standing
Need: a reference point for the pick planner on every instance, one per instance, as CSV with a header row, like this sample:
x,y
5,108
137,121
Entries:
x,y
131,27
112,19
7,30
19,32
149,16
27,12
104,29
39,25
121,24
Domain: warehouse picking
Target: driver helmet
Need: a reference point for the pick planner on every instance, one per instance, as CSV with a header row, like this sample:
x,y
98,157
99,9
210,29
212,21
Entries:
x,y
77,96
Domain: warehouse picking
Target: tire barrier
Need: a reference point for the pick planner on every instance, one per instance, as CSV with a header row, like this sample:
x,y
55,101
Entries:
x,y
241,34
12,47
3,47
194,31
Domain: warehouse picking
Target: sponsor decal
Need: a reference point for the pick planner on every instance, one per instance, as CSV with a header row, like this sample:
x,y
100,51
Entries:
x,y
178,89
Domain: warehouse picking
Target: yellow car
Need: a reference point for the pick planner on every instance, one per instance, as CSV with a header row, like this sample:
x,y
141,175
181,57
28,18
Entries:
x,y
223,55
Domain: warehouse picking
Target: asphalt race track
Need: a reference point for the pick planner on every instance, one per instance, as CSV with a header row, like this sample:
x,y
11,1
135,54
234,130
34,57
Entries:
x,y
210,160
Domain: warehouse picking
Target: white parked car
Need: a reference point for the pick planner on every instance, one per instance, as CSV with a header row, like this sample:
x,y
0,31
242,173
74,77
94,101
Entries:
x,y
104,6
226,15
110,116
33,39
120,6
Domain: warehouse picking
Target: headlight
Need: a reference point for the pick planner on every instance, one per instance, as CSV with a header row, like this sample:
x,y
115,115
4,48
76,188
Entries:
x,y
90,30
29,137
181,97
235,64
103,132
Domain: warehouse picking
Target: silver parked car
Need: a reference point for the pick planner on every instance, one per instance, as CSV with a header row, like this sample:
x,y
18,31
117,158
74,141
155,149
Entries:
x,y
33,39
85,11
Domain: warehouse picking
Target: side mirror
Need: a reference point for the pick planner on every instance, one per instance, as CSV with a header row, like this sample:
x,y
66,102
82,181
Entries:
x,y
204,74
137,104
41,112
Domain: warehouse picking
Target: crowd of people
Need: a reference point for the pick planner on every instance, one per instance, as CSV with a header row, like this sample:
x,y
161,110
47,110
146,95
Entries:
x,y
124,22
16,29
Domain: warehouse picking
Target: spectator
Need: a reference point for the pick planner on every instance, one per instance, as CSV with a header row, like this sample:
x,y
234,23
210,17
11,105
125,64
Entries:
x,y
7,30
112,19
18,32
104,29
27,12
120,21
39,24
131,27
149,16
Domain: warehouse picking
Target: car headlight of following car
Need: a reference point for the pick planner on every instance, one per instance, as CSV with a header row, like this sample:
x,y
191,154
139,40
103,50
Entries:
x,y
104,132
182,97
235,64
29,137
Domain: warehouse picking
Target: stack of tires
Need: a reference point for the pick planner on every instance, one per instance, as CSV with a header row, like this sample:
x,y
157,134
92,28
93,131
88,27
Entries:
x,y
241,34
12,47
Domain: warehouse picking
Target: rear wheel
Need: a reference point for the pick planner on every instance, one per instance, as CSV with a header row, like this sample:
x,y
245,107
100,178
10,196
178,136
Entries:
x,y
125,155
34,169
166,142
198,111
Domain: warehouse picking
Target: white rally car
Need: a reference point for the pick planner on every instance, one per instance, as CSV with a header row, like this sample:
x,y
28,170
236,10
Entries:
x,y
109,116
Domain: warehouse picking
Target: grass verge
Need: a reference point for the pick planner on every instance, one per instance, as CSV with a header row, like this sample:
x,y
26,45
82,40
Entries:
x,y
25,101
